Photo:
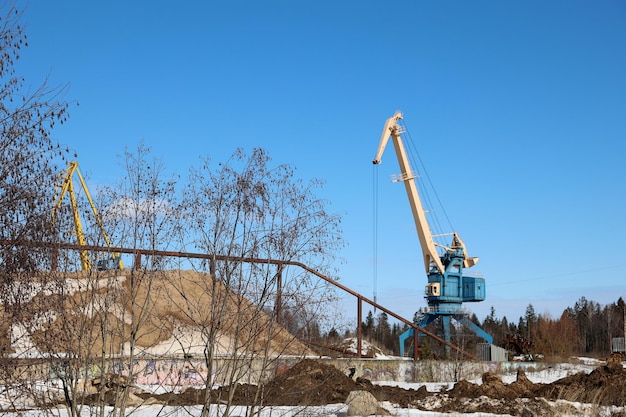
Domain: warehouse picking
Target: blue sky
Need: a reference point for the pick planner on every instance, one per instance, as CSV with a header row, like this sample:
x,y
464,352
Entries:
x,y
518,110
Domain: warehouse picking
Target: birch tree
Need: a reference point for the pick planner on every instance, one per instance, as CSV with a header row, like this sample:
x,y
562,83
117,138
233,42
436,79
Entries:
x,y
141,214
245,208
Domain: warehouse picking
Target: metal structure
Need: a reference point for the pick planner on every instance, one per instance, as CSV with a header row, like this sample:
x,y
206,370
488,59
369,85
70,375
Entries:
x,y
138,254
448,286
67,187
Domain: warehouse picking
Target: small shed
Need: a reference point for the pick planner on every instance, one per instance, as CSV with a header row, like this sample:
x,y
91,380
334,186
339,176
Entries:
x,y
491,353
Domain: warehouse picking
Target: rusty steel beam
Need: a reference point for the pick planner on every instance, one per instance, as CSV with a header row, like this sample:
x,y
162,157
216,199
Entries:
x,y
138,253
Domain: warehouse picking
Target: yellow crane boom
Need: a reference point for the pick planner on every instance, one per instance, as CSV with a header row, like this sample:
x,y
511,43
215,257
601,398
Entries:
x,y
67,187
392,129
431,258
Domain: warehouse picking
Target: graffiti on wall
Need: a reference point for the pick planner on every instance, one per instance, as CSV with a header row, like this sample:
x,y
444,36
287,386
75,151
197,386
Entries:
x,y
161,372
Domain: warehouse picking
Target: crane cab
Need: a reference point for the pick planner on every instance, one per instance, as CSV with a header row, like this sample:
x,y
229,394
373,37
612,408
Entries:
x,y
453,288
474,289
433,289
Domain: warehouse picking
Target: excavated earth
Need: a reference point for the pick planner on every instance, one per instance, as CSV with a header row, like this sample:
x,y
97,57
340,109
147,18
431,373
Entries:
x,y
313,383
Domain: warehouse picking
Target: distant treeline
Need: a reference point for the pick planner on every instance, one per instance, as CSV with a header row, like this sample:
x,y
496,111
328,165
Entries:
x,y
586,329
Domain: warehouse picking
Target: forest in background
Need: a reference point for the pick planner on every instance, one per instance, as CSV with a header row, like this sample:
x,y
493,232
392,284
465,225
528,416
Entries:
x,y
585,329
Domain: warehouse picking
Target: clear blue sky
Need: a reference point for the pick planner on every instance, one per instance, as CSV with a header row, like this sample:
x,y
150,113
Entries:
x,y
518,109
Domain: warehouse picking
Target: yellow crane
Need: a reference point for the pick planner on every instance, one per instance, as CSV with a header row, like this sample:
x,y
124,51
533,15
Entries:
x,y
67,187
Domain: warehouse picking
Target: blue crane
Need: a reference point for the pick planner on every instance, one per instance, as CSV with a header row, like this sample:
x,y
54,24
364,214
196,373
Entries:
x,y
448,285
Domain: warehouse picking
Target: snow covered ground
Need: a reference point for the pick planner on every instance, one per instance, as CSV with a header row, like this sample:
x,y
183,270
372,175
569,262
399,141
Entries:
x,y
334,410
340,410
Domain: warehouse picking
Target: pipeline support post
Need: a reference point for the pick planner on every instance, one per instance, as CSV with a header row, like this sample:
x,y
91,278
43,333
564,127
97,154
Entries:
x,y
359,326
279,295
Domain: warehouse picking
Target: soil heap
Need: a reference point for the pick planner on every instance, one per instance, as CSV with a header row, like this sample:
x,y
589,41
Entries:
x,y
313,383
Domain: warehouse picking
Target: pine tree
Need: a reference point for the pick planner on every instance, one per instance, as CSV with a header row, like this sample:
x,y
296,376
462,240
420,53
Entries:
x,y
368,326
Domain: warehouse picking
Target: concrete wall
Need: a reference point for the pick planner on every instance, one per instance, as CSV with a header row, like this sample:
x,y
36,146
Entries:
x,y
176,371
400,370
193,372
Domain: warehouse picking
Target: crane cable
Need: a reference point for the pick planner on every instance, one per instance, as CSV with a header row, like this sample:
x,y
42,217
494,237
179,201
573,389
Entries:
x,y
426,187
375,231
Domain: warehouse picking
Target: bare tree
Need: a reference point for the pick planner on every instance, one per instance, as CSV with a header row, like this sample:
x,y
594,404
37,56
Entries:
x,y
141,213
28,156
246,209
103,319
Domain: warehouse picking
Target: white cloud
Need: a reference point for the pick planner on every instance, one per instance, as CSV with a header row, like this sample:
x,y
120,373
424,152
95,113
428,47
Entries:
x,y
131,209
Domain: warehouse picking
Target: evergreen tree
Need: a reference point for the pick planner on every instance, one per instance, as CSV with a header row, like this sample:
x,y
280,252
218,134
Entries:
x,y
394,345
383,330
333,335
368,326
530,320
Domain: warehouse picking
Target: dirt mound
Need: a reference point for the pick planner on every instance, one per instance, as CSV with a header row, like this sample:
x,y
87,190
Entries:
x,y
313,383
605,385
493,387
176,307
310,382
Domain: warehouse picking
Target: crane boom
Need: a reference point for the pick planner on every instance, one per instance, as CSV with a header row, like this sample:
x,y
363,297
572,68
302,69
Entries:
x,y
68,187
393,129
